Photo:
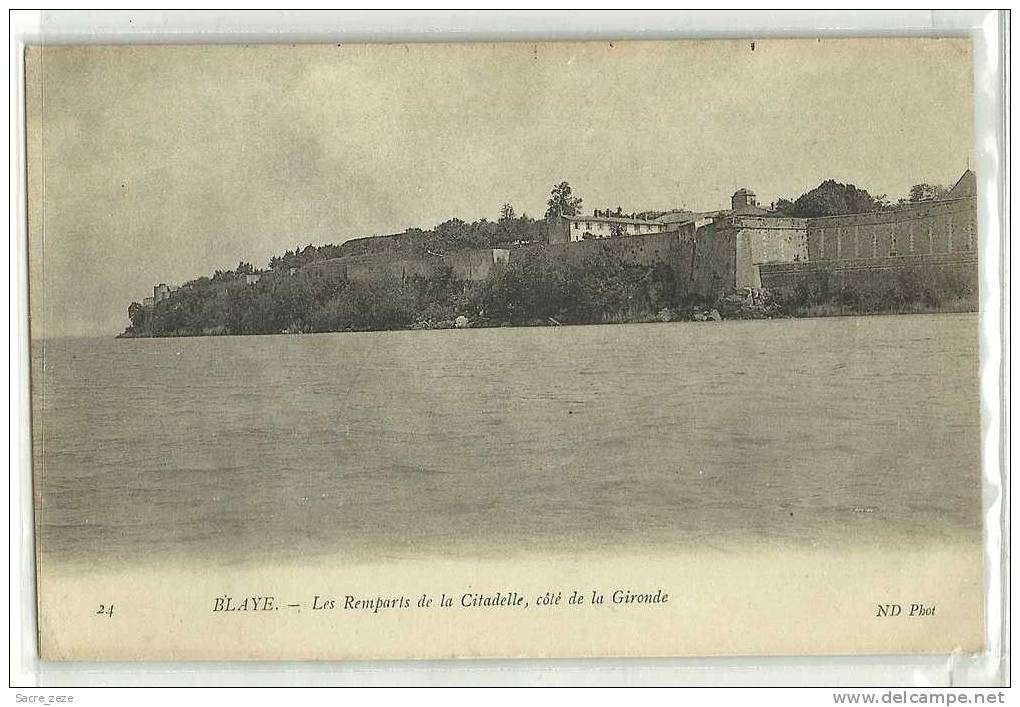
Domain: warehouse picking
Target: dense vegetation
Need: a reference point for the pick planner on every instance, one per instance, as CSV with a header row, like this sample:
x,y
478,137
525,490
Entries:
x,y
531,289
832,198
923,288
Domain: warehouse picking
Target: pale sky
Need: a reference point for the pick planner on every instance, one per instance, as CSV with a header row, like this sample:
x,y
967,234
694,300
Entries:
x,y
161,164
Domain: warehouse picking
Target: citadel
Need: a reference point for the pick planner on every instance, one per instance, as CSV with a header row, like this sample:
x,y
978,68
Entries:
x,y
744,247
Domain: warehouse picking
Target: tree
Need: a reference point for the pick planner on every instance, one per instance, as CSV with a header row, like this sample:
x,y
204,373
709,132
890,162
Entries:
x,y
562,202
928,192
783,207
456,234
831,198
507,213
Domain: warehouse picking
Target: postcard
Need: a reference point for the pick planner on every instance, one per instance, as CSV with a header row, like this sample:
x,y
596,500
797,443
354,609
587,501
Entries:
x,y
564,349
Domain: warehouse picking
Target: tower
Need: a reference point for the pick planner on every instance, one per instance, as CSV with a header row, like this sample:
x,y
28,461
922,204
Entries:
x,y
743,199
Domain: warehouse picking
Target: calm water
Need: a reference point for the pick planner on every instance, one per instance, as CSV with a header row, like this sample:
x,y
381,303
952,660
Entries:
x,y
507,441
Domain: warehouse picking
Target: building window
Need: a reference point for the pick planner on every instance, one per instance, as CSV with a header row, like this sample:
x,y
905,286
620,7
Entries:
x,y
874,243
576,225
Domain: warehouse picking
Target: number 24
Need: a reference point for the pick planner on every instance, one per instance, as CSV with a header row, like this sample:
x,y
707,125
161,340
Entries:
x,y
105,610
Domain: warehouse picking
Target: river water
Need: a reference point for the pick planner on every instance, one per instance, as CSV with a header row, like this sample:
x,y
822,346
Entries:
x,y
504,442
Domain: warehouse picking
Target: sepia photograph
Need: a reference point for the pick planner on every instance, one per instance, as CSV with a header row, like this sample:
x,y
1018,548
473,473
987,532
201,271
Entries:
x,y
517,349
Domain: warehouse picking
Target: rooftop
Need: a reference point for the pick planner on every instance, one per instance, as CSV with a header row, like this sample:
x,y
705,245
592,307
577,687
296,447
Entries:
x,y
966,185
613,219
687,216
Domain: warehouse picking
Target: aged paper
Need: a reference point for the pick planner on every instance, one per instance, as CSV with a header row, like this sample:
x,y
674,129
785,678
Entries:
x,y
521,350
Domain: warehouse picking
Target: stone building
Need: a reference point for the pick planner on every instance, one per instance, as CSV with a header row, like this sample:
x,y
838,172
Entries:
x,y
715,250
727,253
571,229
747,247
744,202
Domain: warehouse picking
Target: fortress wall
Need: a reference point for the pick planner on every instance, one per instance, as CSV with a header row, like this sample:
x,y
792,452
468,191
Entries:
x,y
874,273
467,265
408,243
470,264
728,251
714,260
948,226
477,264
639,250
686,257
765,240
371,267
385,267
